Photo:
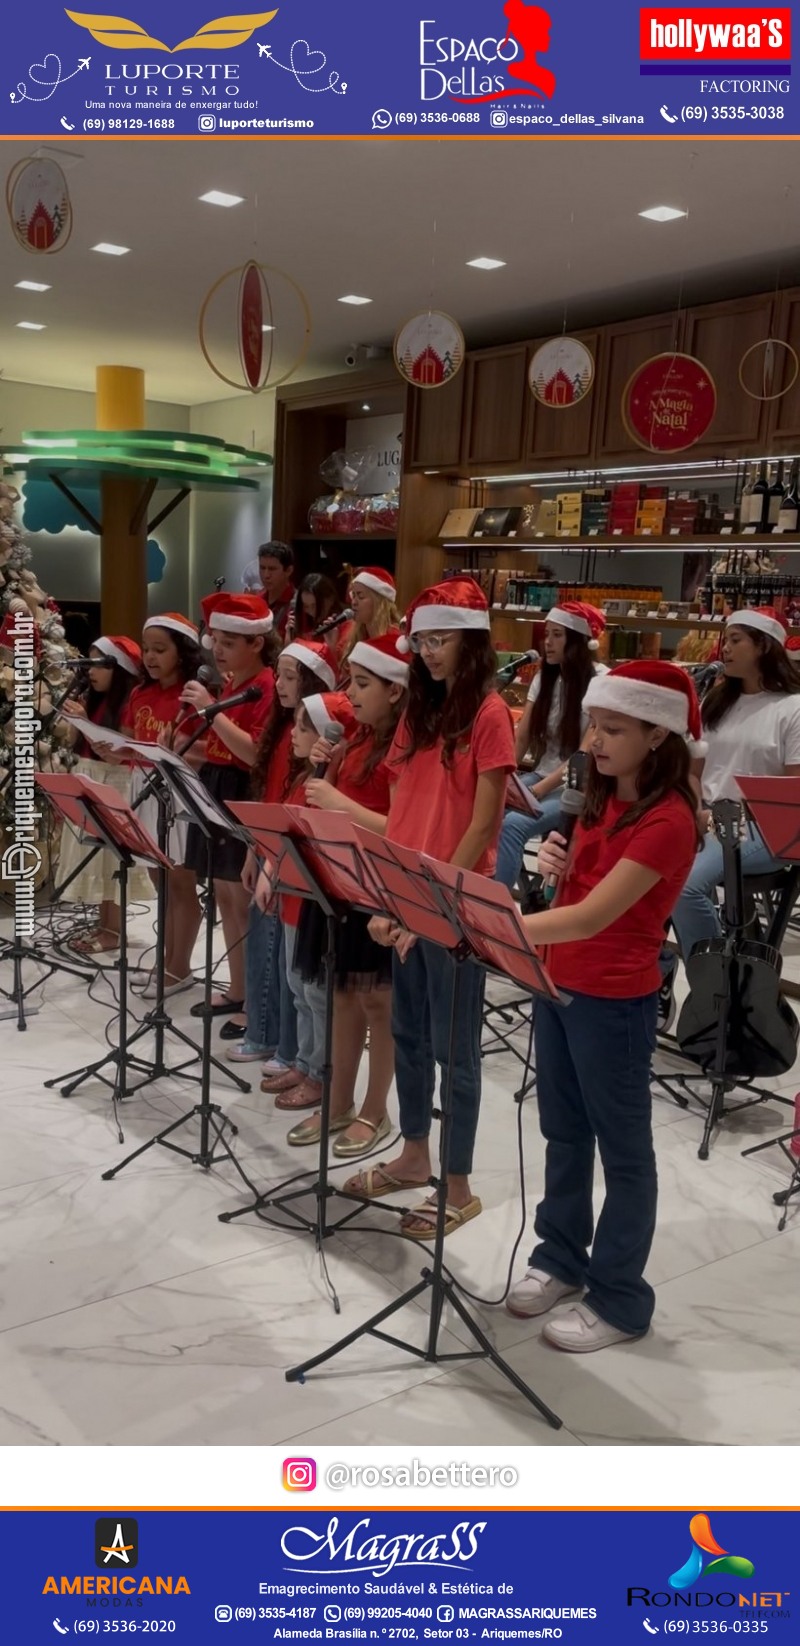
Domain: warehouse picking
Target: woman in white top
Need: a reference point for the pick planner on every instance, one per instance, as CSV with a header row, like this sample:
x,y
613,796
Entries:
x,y
552,727
751,725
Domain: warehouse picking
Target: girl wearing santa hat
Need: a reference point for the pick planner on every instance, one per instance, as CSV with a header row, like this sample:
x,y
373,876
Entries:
x,y
617,883
171,656
357,783
117,666
449,763
240,629
751,726
553,725
304,668
373,597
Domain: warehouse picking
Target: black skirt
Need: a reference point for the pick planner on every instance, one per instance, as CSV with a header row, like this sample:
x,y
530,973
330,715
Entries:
x,y
223,783
361,964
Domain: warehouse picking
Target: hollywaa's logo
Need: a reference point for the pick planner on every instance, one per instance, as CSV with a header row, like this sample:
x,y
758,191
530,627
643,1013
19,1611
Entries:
x,y
222,34
457,67
375,1552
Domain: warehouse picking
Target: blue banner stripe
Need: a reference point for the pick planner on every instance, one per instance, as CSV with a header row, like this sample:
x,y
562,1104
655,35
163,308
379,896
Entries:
x,y
736,69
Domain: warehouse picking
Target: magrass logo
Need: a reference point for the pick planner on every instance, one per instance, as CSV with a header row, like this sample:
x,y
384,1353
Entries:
x,y
116,1543
704,1543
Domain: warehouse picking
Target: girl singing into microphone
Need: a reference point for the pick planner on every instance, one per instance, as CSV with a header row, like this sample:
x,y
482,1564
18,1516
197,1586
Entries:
x,y
240,627
617,884
317,600
449,763
373,598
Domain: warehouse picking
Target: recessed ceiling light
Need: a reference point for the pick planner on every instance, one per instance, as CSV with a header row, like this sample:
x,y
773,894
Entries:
x,y
267,328
110,250
218,197
31,285
485,263
30,325
365,407
355,300
663,214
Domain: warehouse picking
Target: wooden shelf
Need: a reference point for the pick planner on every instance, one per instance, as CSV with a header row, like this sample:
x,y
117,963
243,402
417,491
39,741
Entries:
x,y
648,624
344,537
709,542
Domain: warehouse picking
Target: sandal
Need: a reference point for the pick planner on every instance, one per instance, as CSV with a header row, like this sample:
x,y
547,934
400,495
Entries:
x,y
309,1131
92,942
427,1214
364,1186
350,1148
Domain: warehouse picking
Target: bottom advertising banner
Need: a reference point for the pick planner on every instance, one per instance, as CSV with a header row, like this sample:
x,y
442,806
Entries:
x,y
580,1576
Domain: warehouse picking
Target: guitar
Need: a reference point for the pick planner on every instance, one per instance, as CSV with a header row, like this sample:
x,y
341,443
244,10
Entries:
x,y
734,983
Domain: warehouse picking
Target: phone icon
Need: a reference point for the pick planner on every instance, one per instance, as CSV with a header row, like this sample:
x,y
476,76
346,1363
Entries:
x,y
60,1627
67,127
673,120
650,1627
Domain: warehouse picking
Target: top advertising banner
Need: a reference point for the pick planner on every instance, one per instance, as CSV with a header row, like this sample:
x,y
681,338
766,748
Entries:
x,y
429,68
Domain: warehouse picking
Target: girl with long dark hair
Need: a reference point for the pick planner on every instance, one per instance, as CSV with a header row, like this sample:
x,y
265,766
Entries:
x,y
317,599
450,762
617,884
751,726
552,727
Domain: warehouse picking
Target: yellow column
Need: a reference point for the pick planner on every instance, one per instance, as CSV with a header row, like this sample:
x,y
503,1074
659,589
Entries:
x,y
123,552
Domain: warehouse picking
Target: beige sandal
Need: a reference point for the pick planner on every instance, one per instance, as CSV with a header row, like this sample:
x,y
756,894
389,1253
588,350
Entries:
x,y
428,1213
92,942
348,1148
365,1187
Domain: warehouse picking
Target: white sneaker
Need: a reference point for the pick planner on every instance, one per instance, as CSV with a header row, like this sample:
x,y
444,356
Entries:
x,y
149,992
579,1330
536,1293
246,1051
273,1066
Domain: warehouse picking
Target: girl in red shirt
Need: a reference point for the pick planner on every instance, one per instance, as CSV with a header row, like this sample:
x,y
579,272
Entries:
x,y
171,656
303,669
449,762
240,627
357,782
626,866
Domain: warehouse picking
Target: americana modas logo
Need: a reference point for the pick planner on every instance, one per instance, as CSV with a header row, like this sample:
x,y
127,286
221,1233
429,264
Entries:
x,y
222,34
116,1543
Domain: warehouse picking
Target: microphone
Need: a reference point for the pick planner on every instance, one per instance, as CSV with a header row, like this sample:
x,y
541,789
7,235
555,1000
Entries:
x,y
219,584
249,694
332,623
332,733
509,671
84,663
207,675
573,803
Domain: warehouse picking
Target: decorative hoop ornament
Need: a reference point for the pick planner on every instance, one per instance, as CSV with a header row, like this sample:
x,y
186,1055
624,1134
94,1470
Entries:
x,y
561,373
429,349
253,301
39,206
669,403
769,344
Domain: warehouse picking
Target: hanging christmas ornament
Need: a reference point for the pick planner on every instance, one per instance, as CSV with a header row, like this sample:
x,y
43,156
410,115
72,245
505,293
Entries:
x,y
669,403
429,349
255,324
38,205
759,378
561,372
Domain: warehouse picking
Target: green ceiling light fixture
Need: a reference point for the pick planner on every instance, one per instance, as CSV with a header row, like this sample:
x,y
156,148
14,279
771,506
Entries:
x,y
131,463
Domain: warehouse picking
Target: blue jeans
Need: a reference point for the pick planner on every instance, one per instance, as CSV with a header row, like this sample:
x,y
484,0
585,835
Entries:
x,y
695,917
517,829
269,1001
309,1002
593,1082
422,992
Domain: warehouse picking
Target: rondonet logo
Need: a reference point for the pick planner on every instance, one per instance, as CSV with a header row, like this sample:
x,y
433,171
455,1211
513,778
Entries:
x,y
375,1551
712,34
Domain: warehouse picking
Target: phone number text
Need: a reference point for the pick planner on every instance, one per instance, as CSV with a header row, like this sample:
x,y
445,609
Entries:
x,y
732,111
132,124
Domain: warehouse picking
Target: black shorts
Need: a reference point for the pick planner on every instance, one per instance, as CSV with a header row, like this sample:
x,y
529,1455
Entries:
x,y
223,783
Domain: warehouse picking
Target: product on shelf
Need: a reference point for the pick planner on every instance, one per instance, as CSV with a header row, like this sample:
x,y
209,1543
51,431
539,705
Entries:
x,y
459,523
383,513
497,522
345,513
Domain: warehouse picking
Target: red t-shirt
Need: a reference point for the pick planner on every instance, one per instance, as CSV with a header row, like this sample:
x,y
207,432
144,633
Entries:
x,y
278,769
621,963
432,804
154,709
289,907
249,717
369,789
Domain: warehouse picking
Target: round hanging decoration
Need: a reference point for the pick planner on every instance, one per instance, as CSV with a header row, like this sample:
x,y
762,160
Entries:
x,y
429,349
38,205
767,368
256,324
669,403
561,372
251,324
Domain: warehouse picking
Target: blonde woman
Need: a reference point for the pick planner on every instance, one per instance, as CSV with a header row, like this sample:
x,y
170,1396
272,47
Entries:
x,y
372,597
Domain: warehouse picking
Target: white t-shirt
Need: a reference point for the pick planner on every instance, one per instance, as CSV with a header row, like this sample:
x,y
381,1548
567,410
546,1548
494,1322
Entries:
x,y
758,737
552,757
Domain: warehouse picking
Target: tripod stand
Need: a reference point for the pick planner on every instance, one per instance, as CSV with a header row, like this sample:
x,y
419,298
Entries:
x,y
17,951
481,923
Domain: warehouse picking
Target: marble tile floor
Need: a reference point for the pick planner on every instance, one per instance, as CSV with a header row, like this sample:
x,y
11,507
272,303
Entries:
x,y
130,1316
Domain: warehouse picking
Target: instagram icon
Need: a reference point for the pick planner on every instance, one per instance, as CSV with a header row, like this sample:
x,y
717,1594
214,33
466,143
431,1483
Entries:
x,y
299,1474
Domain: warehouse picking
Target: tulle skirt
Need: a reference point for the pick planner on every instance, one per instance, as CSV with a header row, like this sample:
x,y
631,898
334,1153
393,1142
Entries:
x,y
95,883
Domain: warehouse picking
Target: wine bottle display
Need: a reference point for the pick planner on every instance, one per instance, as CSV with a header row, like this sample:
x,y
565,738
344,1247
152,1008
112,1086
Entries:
x,y
789,516
775,499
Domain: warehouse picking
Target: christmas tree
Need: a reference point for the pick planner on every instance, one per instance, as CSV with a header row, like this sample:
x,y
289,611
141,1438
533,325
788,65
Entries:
x,y
20,593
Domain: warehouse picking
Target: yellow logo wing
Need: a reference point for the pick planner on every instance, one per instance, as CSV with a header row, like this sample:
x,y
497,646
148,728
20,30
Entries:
x,y
122,35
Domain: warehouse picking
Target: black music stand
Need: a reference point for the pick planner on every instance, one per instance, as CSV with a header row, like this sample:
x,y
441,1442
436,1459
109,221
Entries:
x,y
17,951
106,817
313,855
213,821
775,805
417,895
